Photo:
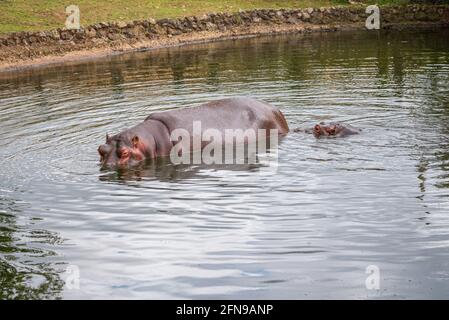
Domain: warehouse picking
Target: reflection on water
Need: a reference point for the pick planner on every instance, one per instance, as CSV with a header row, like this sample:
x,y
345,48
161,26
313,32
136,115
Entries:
x,y
307,230
25,269
163,170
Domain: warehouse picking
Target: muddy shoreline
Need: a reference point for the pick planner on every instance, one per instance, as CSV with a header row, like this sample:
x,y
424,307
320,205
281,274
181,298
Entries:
x,y
26,50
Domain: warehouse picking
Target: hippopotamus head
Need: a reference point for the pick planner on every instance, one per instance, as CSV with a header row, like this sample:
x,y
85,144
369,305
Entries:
x,y
323,129
122,150
147,140
334,129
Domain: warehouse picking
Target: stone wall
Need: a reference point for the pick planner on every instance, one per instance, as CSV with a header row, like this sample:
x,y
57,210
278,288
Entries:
x,y
28,45
150,29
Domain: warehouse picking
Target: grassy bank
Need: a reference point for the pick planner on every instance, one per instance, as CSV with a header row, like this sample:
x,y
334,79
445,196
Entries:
x,y
35,15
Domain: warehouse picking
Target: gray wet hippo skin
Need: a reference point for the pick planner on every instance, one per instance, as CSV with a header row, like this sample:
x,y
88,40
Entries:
x,y
151,138
332,129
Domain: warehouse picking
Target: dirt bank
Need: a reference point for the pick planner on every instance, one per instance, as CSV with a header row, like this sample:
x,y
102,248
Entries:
x,y
30,49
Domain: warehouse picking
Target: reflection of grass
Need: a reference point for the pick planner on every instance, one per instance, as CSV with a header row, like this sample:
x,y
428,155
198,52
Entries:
x,y
26,15
25,272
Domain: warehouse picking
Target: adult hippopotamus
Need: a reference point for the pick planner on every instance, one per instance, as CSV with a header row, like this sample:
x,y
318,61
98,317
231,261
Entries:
x,y
152,137
332,129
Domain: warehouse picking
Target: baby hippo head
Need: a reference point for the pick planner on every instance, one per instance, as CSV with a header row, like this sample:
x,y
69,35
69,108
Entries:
x,y
122,150
323,129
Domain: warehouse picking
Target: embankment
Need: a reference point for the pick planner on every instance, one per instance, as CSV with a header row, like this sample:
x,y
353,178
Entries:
x,y
29,49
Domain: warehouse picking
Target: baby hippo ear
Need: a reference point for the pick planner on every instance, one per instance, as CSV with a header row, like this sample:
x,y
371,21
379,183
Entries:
x,y
107,137
135,141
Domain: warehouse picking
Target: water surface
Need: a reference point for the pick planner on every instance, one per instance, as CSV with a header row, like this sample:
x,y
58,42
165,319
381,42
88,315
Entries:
x,y
310,230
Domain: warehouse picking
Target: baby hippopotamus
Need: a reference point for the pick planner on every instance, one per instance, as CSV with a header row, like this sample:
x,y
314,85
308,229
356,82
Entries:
x,y
332,129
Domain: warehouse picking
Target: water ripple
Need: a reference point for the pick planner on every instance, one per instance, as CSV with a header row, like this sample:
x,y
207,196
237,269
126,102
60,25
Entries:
x,y
162,231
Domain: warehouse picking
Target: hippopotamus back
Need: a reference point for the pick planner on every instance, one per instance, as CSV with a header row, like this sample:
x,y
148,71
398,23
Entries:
x,y
231,113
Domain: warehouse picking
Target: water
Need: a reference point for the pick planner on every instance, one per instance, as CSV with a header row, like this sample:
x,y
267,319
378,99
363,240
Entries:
x,y
333,208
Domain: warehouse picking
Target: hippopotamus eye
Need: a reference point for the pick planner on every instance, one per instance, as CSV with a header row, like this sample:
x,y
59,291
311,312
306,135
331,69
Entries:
x,y
123,153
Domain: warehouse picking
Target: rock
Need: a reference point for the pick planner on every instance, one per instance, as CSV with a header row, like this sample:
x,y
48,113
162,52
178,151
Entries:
x,y
55,34
79,35
113,36
65,35
122,24
91,33
210,26
354,17
292,20
264,16
222,28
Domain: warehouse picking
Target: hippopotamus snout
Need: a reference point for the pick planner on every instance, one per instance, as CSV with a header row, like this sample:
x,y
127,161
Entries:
x,y
114,161
326,130
108,156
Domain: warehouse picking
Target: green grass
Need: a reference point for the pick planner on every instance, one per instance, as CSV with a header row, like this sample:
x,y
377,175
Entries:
x,y
34,15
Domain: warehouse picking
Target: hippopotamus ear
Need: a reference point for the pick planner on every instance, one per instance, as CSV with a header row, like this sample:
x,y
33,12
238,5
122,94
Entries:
x,y
135,141
107,137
